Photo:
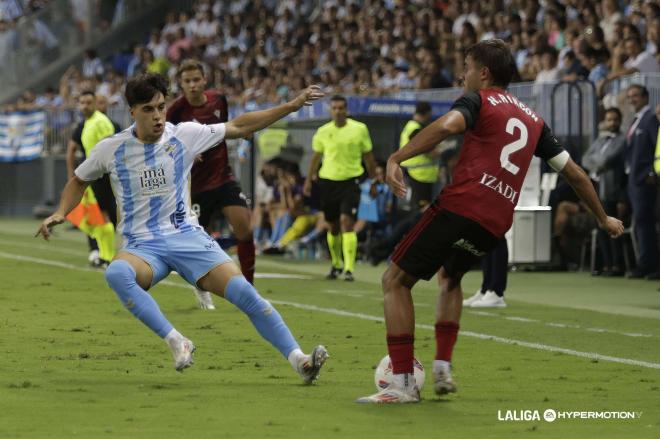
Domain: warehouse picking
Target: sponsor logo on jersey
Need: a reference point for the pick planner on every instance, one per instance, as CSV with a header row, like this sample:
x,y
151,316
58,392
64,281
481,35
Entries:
x,y
492,182
153,181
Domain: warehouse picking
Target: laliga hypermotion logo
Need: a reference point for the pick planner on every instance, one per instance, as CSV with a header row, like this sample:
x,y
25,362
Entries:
x,y
550,415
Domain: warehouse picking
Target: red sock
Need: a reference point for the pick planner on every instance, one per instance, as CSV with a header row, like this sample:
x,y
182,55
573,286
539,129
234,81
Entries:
x,y
445,338
401,349
246,258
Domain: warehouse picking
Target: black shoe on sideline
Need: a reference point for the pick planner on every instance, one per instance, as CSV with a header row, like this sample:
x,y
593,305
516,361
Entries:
x,y
334,273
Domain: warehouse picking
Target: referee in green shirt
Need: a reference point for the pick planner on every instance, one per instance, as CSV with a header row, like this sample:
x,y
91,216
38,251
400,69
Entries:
x,y
341,144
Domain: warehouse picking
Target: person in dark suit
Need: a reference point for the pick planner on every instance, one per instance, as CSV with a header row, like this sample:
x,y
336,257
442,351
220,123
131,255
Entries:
x,y
641,138
604,162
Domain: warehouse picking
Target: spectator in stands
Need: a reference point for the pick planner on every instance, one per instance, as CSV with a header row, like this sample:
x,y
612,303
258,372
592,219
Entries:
x,y
597,68
550,71
641,139
638,60
92,65
573,68
604,163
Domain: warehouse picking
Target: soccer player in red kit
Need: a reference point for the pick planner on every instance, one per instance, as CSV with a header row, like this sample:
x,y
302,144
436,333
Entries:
x,y
213,185
472,213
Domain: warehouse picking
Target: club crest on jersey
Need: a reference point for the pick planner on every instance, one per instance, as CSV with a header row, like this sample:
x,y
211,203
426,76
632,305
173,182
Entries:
x,y
169,149
216,113
492,182
153,181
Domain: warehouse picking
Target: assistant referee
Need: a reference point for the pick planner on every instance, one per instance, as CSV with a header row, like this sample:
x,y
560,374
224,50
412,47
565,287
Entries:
x,y
341,144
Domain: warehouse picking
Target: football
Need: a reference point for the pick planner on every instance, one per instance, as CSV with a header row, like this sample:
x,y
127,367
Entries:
x,y
383,375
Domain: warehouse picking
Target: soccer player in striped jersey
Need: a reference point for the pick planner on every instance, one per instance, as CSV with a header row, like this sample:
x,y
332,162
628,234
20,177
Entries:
x,y
149,165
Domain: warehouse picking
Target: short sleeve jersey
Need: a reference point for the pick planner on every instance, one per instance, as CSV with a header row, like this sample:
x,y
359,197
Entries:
x,y
151,180
342,149
214,170
502,136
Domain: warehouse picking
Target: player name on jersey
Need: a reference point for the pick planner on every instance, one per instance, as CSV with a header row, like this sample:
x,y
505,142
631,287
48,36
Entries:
x,y
508,99
492,182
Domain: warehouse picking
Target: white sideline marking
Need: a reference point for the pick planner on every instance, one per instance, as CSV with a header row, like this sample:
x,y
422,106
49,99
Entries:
x,y
281,276
349,293
338,312
561,325
520,319
539,346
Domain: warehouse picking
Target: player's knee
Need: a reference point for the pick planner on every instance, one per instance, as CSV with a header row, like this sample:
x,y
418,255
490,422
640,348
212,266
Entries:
x,y
389,280
119,275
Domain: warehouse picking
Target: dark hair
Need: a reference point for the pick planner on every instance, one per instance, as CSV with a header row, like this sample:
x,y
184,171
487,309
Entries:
x,y
189,65
142,88
495,55
614,110
643,90
336,98
634,38
422,108
87,92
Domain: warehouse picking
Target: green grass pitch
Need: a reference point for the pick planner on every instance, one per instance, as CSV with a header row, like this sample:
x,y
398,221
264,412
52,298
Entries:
x,y
76,364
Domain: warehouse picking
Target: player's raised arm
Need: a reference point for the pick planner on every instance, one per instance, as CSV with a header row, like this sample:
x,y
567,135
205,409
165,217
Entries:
x,y
248,123
450,124
71,196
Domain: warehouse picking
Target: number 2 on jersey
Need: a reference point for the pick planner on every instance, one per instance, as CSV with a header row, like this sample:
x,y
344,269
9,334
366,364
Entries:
x,y
514,146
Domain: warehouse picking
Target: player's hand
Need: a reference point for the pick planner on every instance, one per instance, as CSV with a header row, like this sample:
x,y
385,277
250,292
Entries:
x,y
612,226
307,188
311,93
48,223
394,179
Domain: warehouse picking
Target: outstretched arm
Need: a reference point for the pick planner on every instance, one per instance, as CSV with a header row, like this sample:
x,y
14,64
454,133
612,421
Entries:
x,y
248,123
451,123
583,187
71,196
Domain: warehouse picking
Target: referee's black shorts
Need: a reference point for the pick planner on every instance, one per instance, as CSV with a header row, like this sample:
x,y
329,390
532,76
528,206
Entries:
x,y
339,197
442,239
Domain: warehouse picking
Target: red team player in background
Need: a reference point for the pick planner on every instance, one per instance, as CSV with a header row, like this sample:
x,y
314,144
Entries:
x,y
472,213
213,186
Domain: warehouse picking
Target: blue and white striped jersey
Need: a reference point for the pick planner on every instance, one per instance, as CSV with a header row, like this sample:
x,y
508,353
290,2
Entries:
x,y
151,181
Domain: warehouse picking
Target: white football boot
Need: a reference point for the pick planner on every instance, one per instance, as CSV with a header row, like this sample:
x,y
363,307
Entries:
x,y
442,380
490,300
309,366
204,299
182,350
475,298
395,393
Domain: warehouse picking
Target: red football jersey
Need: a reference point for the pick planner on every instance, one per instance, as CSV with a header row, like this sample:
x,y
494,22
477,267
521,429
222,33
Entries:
x,y
502,136
214,170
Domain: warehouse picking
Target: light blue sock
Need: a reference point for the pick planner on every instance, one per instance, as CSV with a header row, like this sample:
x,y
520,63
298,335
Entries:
x,y
121,278
264,317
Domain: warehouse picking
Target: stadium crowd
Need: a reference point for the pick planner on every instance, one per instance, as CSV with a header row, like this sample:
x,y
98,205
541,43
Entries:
x,y
259,52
